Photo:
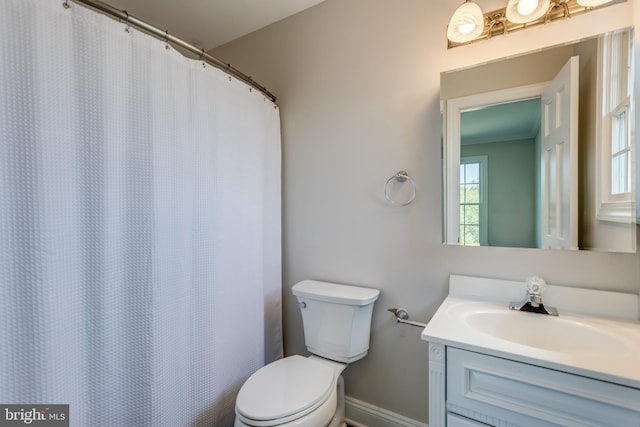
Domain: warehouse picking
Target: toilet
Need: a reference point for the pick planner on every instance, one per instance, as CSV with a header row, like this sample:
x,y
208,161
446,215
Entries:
x,y
309,391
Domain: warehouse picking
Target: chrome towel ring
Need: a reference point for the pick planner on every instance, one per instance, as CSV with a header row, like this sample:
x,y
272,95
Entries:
x,y
400,177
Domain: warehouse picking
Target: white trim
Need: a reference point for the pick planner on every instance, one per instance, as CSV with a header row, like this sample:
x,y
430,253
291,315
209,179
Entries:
x,y
623,212
363,414
451,149
437,385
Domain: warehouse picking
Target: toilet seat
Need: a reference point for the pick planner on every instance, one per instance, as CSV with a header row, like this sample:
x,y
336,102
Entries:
x,y
284,391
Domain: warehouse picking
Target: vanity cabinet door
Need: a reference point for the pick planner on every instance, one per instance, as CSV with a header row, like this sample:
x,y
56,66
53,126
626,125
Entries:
x,y
503,392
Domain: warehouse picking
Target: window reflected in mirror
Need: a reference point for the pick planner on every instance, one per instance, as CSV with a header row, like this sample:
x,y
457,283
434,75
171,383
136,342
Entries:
x,y
473,212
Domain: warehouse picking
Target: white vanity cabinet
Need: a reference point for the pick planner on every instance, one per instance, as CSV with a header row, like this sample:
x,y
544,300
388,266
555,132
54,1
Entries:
x,y
468,388
489,365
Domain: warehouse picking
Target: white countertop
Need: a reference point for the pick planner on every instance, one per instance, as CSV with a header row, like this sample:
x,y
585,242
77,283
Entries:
x,y
475,316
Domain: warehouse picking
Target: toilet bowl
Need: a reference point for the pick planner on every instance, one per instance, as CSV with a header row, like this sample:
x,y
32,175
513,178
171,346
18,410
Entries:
x,y
309,391
294,391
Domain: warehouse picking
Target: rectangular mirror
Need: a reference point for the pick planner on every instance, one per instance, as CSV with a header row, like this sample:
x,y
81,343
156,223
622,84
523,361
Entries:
x,y
538,149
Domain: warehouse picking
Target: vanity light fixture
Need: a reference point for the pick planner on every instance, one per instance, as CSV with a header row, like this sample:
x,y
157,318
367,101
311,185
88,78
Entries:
x,y
466,24
523,11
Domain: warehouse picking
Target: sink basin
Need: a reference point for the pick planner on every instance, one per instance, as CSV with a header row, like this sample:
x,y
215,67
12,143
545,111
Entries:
x,y
551,333
597,333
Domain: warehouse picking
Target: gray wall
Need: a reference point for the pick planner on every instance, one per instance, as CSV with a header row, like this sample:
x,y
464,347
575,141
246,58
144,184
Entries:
x,y
358,87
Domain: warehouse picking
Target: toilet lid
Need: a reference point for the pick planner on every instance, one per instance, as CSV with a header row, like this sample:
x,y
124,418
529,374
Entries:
x,y
293,385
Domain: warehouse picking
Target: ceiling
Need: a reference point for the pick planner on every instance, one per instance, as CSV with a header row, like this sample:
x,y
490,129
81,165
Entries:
x,y
207,24
502,122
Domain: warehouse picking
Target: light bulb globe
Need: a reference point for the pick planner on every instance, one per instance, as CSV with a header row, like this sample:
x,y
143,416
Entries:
x,y
592,3
466,24
524,11
527,7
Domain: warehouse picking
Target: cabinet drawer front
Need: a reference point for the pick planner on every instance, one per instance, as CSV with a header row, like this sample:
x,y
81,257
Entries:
x,y
454,420
487,388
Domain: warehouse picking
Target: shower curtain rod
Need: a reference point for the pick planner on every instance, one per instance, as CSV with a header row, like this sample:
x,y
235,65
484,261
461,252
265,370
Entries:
x,y
164,35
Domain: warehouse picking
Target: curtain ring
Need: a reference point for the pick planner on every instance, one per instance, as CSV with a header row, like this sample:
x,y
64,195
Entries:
x,y
401,177
166,39
202,53
65,4
126,20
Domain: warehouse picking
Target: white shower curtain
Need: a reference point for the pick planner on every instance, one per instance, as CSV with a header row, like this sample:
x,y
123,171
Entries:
x,y
139,224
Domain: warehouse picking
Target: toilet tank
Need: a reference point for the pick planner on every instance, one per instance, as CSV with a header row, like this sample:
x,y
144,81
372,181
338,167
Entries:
x,y
336,318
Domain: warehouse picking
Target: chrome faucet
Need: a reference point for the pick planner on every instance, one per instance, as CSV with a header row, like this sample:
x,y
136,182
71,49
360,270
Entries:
x,y
532,300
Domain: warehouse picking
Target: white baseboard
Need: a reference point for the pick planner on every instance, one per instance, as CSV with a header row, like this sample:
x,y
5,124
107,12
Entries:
x,y
363,414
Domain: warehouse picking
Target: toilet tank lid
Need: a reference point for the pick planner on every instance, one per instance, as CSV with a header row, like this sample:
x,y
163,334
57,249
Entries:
x,y
335,293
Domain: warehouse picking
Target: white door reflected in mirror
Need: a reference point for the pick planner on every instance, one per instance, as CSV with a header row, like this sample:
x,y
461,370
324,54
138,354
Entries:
x,y
560,159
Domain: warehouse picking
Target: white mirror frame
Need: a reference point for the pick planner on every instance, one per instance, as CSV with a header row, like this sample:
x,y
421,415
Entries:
x,y
452,140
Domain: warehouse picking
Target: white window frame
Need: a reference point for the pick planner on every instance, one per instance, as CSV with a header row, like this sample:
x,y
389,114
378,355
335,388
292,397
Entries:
x,y
609,206
483,204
